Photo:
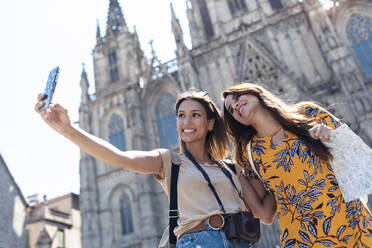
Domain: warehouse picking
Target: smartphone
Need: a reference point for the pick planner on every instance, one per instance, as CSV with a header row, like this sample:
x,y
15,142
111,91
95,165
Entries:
x,y
50,87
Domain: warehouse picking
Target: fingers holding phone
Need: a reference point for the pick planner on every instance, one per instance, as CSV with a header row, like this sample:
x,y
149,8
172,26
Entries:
x,y
39,104
50,87
54,115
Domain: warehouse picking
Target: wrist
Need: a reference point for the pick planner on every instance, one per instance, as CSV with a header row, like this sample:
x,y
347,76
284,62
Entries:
x,y
68,131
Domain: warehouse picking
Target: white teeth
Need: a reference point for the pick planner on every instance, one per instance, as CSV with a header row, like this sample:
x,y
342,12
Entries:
x,y
188,130
240,109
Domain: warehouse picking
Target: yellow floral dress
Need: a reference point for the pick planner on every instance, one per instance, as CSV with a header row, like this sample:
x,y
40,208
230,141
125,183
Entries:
x,y
310,207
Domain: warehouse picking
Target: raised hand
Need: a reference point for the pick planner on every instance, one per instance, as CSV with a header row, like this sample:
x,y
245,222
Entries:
x,y
320,131
55,116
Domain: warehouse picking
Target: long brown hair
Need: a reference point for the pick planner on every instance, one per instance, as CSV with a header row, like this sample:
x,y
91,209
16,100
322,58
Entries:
x,y
288,115
216,143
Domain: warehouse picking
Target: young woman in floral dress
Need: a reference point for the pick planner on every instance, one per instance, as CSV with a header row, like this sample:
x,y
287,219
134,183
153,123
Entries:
x,y
295,165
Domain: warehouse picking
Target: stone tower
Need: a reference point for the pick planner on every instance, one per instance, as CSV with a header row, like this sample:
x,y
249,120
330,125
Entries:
x,y
131,108
296,48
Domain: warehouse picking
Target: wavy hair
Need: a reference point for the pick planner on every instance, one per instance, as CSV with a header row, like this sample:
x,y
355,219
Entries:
x,y
217,142
288,115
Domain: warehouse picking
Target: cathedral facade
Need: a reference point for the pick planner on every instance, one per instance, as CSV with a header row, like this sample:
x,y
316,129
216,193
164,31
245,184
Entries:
x,y
295,48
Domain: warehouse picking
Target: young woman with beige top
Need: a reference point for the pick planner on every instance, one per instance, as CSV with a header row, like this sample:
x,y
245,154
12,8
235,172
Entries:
x,y
202,135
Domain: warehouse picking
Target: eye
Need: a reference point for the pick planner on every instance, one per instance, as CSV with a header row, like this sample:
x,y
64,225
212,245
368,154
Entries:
x,y
180,115
236,97
196,115
230,109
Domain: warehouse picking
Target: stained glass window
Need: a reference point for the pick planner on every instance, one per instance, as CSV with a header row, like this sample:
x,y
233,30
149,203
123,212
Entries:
x,y
116,132
113,66
359,33
166,120
114,74
126,215
112,58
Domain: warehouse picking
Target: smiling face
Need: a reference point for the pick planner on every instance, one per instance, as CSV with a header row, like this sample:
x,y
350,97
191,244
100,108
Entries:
x,y
242,107
192,122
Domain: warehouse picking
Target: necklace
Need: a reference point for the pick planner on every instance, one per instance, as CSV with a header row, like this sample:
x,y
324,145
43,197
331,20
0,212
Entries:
x,y
276,131
272,145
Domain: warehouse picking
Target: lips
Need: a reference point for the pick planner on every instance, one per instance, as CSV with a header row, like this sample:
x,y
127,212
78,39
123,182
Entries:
x,y
240,108
188,130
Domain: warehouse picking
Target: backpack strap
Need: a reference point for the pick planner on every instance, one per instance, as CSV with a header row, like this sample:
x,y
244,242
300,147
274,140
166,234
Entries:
x,y
173,203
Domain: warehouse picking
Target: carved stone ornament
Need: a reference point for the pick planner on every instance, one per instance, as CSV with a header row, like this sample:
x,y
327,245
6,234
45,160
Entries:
x,y
254,66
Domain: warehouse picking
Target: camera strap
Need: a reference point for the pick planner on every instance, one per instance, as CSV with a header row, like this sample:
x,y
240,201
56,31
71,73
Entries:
x,y
228,175
206,177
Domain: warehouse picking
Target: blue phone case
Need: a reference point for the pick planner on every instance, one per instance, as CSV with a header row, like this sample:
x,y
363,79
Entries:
x,y
50,87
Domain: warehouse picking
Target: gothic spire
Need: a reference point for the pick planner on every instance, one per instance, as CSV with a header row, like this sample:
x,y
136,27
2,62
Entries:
x,y
98,33
176,26
84,84
135,35
178,34
153,53
115,20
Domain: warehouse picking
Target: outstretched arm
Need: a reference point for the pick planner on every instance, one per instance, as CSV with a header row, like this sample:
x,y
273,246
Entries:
x,y
137,161
258,199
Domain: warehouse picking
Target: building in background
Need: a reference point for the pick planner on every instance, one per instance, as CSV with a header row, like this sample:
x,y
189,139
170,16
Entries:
x,y
54,223
12,210
296,48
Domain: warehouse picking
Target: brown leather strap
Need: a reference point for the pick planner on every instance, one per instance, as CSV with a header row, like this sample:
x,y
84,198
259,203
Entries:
x,y
215,221
197,228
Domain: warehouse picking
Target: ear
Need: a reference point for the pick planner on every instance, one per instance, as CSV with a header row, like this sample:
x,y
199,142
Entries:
x,y
210,124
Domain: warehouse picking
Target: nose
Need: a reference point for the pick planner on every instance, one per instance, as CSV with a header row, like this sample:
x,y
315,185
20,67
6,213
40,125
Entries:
x,y
187,119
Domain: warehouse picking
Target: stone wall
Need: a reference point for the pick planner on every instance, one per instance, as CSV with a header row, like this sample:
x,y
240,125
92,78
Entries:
x,y
13,211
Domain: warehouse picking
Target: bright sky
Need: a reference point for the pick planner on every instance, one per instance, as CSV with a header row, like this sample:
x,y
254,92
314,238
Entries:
x,y
36,36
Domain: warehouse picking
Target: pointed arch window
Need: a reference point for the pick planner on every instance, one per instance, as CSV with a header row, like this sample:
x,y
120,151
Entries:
x,y
236,6
116,132
359,33
207,23
113,66
126,217
166,120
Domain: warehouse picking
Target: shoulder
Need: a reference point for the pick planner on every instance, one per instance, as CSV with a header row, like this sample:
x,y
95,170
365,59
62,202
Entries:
x,y
317,113
169,157
310,109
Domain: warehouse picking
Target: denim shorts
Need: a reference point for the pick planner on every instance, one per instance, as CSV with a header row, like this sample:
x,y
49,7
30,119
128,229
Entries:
x,y
210,239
